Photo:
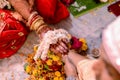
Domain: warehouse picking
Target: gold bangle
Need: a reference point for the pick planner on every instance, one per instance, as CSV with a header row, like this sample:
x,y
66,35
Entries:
x,y
32,25
35,21
38,24
38,31
30,17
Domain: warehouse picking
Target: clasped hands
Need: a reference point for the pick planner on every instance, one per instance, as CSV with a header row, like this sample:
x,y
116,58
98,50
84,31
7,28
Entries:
x,y
55,40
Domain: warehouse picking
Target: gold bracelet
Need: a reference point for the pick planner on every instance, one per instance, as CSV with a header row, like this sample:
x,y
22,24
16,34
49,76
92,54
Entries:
x,y
38,31
37,20
37,24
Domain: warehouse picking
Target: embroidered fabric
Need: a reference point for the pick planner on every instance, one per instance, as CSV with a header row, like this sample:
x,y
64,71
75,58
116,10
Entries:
x,y
51,37
12,34
2,25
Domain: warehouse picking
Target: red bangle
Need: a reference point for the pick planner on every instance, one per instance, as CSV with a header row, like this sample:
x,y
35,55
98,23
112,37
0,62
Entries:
x,y
30,17
33,19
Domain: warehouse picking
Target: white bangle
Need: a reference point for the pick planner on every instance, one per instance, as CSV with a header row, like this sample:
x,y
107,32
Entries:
x,y
31,16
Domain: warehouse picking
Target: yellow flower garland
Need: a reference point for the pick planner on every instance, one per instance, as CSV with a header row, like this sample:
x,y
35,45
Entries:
x,y
50,69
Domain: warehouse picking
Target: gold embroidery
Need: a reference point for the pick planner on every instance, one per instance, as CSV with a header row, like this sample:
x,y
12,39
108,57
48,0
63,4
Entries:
x,y
2,14
13,42
20,33
13,47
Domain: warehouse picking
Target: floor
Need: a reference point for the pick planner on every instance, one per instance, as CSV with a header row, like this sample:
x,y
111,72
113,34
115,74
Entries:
x,y
89,26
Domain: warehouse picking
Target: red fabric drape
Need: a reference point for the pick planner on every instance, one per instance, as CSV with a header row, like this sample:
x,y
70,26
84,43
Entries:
x,y
12,34
53,11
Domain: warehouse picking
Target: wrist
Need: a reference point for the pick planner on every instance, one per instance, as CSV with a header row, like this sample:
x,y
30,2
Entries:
x,y
36,23
41,32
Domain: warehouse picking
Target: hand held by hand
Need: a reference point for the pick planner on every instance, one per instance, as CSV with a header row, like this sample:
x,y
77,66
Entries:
x,y
52,37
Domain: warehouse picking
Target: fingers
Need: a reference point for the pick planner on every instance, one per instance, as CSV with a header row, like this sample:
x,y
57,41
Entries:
x,y
63,45
31,2
70,69
44,55
60,47
65,40
38,53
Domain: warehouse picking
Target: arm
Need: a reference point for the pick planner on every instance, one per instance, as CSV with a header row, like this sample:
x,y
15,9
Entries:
x,y
70,69
22,7
36,23
75,58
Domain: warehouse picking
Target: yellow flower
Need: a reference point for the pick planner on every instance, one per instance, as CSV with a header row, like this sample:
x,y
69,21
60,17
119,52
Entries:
x,y
28,69
35,48
35,72
49,62
61,78
41,78
59,62
84,47
56,78
57,73
40,67
83,40
55,58
49,53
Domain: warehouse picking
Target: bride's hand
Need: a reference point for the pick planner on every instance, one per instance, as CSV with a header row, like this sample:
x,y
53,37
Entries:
x,y
61,46
31,3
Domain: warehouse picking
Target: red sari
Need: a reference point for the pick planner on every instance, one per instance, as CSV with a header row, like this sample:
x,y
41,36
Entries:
x,y
12,34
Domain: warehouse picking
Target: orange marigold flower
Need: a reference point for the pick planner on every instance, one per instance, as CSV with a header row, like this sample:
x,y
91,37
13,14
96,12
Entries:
x,y
55,58
35,72
83,40
56,78
59,62
28,69
84,47
57,73
49,62
61,78
41,78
